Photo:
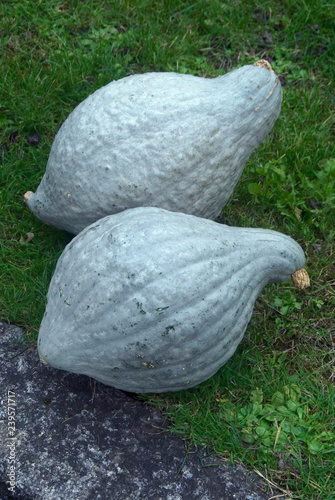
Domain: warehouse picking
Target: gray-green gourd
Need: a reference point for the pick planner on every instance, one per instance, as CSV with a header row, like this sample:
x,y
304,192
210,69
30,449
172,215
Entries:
x,y
149,300
169,140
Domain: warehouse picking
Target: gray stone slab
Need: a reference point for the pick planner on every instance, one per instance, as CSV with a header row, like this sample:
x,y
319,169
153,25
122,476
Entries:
x,y
75,438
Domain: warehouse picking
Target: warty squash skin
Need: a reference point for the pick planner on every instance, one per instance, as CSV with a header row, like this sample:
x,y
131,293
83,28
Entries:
x,y
168,140
151,301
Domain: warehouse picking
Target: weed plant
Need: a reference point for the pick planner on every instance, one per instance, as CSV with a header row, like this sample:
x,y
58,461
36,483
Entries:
x,y
271,407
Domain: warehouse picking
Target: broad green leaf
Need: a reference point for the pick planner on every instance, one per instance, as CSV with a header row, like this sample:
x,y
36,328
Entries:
x,y
256,396
247,438
315,446
278,398
254,188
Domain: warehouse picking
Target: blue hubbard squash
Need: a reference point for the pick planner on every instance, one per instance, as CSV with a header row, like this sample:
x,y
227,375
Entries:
x,y
149,300
168,140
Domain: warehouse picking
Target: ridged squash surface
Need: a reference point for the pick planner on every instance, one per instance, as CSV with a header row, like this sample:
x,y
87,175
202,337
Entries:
x,y
168,140
150,301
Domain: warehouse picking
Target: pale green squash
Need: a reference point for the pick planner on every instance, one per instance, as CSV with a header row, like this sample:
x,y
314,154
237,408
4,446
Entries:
x,y
149,300
168,140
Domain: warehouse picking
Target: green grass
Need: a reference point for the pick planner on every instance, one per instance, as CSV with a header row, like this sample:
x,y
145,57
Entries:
x,y
271,407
